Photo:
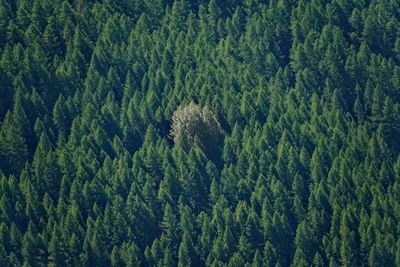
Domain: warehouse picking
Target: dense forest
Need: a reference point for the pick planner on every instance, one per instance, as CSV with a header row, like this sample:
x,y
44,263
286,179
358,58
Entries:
x,y
199,133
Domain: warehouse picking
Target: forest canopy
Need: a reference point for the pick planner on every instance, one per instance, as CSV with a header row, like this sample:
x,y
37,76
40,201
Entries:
x,y
293,159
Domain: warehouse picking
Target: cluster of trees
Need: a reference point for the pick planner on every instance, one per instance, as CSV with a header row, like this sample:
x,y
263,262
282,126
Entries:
x,y
302,99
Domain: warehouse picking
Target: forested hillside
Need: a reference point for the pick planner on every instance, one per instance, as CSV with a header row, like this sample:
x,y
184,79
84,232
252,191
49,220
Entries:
x,y
292,159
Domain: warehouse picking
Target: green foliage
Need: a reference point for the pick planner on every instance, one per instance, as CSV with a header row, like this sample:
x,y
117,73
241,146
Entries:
x,y
289,158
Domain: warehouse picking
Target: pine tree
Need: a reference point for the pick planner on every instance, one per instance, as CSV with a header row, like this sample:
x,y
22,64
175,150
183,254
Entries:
x,y
115,257
186,253
13,148
30,247
305,241
56,257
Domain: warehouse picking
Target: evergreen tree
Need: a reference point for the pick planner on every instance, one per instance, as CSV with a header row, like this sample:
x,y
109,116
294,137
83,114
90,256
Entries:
x,y
288,158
